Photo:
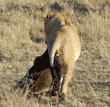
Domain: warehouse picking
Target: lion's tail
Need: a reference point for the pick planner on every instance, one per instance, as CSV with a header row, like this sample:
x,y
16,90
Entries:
x,y
56,46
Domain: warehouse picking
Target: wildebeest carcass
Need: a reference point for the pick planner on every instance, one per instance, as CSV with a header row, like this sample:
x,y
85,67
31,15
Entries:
x,y
39,77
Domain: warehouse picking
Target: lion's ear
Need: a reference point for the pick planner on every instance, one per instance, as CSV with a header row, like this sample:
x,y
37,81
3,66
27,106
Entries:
x,y
67,22
47,16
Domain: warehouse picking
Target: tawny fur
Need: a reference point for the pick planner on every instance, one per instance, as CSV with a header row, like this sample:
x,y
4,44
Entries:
x,y
63,44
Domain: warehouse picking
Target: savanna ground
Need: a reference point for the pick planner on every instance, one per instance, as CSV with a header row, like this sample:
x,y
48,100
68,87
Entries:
x,y
22,40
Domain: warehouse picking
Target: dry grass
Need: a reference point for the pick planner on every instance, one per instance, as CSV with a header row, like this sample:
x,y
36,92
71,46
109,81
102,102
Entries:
x,y
22,40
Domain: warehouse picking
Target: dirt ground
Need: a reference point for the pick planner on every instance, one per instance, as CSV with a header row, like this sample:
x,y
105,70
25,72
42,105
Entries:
x,y
22,40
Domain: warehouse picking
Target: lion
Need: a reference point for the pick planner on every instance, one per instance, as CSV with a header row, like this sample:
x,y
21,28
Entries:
x,y
64,46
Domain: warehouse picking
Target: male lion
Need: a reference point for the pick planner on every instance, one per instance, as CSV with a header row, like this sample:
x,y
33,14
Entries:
x,y
64,46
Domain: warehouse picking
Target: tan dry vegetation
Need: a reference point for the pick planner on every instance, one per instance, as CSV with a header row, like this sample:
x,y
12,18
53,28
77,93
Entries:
x,y
21,41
